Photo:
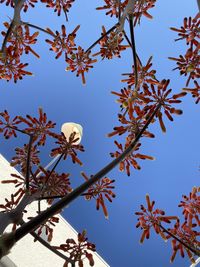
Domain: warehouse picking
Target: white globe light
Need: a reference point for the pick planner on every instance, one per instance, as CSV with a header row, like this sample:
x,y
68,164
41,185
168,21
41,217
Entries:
x,y
70,127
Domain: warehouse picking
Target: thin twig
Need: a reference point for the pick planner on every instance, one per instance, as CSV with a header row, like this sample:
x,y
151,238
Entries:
x,y
133,51
36,221
38,28
129,42
47,245
54,167
27,177
18,130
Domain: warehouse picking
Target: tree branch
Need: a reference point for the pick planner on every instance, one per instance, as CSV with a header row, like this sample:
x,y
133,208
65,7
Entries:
x,y
47,245
36,221
15,21
193,250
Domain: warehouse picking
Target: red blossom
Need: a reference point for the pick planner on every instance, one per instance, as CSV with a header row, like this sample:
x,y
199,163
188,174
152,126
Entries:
x,y
189,64
63,43
47,228
187,236
150,218
194,91
132,125
141,8
51,184
114,7
110,45
59,5
26,4
39,128
7,126
10,67
13,202
191,206
130,159
80,62
189,30
98,191
67,148
145,75
20,40
78,250
21,157
160,95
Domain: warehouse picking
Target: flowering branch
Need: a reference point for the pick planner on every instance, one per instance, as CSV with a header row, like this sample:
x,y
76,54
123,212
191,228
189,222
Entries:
x,y
39,219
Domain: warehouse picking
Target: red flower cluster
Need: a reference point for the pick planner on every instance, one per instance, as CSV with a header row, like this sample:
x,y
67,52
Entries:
x,y
141,8
130,159
188,64
183,236
189,30
67,148
47,228
20,42
63,43
98,191
114,7
111,44
7,126
150,96
59,5
51,184
26,3
38,128
21,157
78,250
145,75
80,62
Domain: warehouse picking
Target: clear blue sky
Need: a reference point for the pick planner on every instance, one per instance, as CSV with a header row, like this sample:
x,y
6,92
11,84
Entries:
x,y
64,98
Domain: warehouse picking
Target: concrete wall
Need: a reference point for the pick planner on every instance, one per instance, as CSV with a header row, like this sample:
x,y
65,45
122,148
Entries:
x,y
27,253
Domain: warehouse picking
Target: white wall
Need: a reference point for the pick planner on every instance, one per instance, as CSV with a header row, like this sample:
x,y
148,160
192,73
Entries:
x,y
27,253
